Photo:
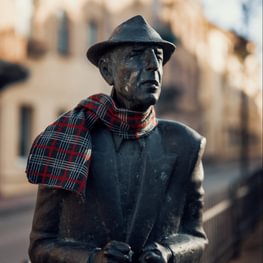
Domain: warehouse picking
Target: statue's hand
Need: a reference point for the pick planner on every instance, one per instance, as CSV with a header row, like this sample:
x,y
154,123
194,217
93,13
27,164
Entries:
x,y
113,252
155,253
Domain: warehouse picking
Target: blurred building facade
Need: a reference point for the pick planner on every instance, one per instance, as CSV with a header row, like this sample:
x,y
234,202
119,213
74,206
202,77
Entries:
x,y
210,83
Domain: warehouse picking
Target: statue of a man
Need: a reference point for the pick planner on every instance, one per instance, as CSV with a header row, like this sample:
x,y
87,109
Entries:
x,y
115,183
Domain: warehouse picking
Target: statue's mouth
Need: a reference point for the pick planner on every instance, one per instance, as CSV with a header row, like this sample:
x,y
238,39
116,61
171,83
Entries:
x,y
151,82
151,86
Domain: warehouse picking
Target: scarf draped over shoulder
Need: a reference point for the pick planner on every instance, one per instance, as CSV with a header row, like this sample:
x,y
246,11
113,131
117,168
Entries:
x,y
60,155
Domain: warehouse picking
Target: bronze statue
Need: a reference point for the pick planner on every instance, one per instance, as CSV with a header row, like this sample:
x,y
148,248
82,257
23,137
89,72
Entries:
x,y
117,184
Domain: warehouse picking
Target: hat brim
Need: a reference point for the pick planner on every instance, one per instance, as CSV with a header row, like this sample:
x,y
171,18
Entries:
x,y
96,51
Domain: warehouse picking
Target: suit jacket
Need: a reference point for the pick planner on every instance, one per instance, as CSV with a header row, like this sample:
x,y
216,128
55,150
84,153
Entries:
x,y
168,209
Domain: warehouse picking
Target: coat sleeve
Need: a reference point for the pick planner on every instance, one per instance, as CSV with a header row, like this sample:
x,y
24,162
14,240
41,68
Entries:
x,y
189,243
45,245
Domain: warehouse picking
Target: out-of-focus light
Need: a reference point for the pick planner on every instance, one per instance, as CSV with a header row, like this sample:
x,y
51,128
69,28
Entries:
x,y
22,21
225,13
218,51
16,14
7,16
116,5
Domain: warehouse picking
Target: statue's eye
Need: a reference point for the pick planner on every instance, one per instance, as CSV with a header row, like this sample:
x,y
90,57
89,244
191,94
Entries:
x,y
136,52
160,57
159,54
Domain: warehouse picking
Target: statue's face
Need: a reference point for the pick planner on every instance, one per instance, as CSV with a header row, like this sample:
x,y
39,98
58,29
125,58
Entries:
x,y
137,75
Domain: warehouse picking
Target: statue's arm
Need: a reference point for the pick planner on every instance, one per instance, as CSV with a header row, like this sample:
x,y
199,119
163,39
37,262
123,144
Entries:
x,y
188,245
45,246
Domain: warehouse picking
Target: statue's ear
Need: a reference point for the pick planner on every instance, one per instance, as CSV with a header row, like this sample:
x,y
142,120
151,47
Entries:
x,y
105,70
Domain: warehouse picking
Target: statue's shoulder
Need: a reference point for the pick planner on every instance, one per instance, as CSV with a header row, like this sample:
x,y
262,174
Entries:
x,y
178,129
179,136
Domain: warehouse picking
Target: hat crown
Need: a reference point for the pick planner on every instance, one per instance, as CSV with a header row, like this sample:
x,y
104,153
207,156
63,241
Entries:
x,y
135,29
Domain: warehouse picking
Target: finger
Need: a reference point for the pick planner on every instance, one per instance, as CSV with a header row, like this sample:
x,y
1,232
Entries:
x,y
151,257
116,255
153,246
143,257
121,246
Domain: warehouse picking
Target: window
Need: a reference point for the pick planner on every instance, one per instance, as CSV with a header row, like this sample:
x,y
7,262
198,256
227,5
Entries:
x,y
63,33
92,32
25,130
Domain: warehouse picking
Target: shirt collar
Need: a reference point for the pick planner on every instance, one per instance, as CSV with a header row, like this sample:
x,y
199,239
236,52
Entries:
x,y
118,140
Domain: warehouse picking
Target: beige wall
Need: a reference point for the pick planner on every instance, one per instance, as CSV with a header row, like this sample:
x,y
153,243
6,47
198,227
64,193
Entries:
x,y
55,84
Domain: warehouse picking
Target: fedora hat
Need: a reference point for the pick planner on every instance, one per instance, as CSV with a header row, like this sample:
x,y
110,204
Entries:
x,y
136,30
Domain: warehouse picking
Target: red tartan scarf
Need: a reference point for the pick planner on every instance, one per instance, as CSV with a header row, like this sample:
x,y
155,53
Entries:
x,y
60,156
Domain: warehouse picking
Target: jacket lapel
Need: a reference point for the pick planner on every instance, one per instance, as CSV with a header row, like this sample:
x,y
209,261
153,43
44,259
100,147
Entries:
x,y
108,195
157,171
157,166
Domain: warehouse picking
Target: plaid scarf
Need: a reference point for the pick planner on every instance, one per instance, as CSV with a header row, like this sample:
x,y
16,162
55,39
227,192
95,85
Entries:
x,y
60,156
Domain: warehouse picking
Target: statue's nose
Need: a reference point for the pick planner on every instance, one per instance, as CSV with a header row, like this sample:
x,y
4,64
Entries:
x,y
151,60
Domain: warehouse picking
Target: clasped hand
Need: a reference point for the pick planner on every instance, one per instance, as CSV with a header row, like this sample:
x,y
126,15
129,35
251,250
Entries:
x,y
155,253
120,252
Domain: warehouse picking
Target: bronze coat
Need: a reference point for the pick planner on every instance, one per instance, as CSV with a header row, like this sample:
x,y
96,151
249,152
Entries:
x,y
168,210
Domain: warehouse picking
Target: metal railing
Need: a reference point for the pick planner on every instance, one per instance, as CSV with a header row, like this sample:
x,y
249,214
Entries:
x,y
230,215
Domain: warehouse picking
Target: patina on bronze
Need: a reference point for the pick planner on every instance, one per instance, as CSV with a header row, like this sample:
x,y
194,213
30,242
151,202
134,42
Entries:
x,y
142,198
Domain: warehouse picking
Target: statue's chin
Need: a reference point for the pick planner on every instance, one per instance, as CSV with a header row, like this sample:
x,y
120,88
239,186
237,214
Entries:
x,y
145,104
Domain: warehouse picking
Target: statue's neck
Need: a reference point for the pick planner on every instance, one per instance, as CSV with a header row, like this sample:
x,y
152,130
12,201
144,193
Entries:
x,y
123,103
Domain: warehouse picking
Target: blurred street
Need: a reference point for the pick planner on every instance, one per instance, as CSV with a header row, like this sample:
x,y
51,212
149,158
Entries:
x,y
14,241
15,223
